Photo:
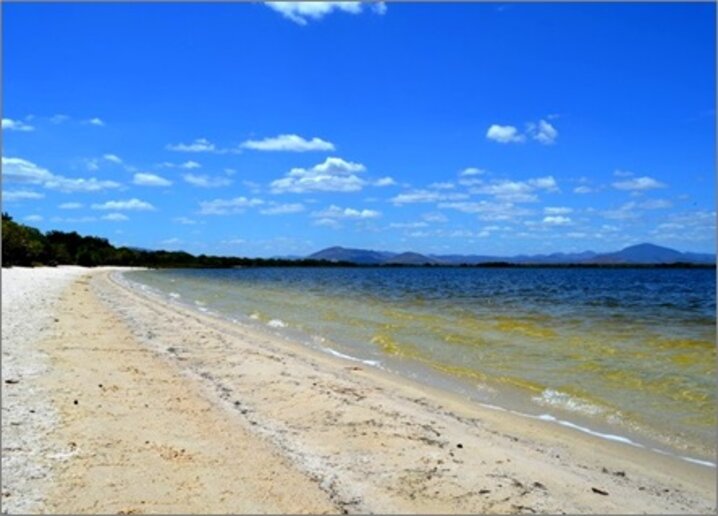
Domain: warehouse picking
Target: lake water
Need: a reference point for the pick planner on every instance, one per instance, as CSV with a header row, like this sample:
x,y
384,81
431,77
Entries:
x,y
621,352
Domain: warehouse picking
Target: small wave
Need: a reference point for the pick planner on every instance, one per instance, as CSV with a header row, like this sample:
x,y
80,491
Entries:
x,y
175,295
254,315
336,353
276,323
562,400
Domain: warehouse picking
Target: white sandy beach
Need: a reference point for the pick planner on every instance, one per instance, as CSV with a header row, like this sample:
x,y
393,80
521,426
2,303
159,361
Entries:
x,y
116,402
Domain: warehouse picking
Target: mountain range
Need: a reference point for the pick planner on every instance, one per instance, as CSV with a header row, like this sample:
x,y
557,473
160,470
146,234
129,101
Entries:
x,y
636,254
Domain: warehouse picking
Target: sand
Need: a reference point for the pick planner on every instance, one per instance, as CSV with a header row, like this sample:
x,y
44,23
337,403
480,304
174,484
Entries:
x,y
156,408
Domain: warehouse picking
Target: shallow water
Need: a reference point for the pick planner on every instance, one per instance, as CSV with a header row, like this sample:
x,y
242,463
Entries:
x,y
624,351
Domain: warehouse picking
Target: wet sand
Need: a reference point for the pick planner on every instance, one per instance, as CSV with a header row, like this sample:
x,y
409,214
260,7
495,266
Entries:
x,y
161,409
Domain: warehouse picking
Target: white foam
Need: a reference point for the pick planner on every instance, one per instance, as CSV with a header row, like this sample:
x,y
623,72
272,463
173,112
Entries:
x,y
562,400
254,315
276,323
374,363
175,295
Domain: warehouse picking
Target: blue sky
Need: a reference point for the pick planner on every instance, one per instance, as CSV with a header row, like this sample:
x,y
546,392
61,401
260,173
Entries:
x,y
273,129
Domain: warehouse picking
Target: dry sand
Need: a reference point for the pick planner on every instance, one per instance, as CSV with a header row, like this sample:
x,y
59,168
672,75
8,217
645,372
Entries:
x,y
157,408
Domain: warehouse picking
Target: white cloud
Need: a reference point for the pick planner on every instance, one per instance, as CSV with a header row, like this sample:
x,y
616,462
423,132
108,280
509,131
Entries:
x,y
543,132
205,181
379,8
227,206
582,189
289,143
18,170
331,223
234,241
96,121
33,218
146,179
471,171
301,12
70,206
622,173
385,181
442,186
419,196
335,212
656,204
435,217
517,191
115,217
189,165
130,204
556,220
408,225
16,125
199,145
638,184
20,195
170,241
282,209
557,210
113,158
333,175
504,134
487,210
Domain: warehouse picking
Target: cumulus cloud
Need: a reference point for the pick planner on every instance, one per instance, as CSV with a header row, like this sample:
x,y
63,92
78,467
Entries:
x,y
16,125
301,12
113,158
227,206
199,145
385,181
18,170
335,212
556,220
557,210
332,175
70,206
20,195
471,171
115,217
205,181
146,179
543,132
96,121
638,184
517,191
422,196
282,209
583,189
487,210
288,143
504,134
128,205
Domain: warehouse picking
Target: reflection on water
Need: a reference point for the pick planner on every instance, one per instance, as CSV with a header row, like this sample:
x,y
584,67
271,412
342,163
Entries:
x,y
628,348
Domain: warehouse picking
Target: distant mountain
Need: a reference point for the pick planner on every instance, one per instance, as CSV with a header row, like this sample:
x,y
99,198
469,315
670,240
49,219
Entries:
x,y
650,253
412,259
636,254
360,256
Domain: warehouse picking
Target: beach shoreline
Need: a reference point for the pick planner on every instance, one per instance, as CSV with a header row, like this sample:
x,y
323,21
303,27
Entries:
x,y
342,437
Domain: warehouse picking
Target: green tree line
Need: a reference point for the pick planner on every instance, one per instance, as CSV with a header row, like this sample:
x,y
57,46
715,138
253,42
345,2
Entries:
x,y
29,247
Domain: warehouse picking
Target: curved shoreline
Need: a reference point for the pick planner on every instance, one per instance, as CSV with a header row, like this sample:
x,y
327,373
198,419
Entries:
x,y
593,428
